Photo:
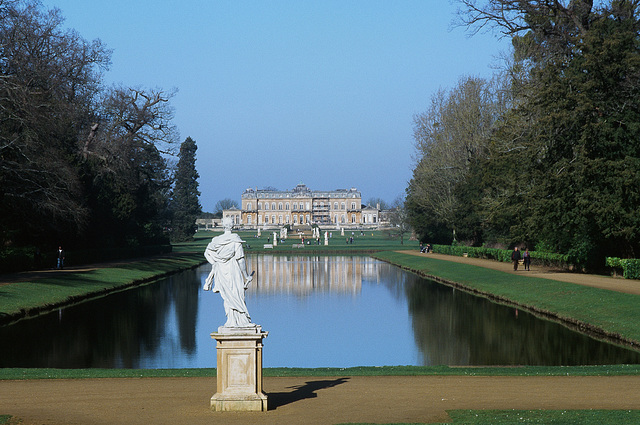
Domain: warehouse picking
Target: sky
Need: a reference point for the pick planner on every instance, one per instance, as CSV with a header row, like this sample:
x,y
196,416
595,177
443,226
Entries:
x,y
282,92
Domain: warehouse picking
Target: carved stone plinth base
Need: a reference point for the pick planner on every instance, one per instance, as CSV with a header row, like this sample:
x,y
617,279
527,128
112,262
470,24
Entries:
x,y
239,374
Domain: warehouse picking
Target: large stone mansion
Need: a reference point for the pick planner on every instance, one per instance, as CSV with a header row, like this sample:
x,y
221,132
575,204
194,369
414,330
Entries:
x,y
302,206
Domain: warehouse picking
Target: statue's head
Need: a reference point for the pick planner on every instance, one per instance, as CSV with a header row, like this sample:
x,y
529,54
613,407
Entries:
x,y
227,223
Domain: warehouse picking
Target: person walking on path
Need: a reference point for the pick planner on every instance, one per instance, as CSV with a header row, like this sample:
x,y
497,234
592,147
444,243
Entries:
x,y
60,264
515,257
527,259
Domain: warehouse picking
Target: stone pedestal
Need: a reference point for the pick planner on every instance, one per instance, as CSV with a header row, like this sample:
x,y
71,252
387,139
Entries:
x,y
239,374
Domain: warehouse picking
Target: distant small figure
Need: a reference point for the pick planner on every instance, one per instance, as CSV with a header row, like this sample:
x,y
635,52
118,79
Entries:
x,y
37,259
527,260
515,257
60,264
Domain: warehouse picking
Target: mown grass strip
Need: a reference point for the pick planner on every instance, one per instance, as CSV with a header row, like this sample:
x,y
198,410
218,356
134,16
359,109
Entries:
x,y
613,314
607,370
558,417
64,287
363,242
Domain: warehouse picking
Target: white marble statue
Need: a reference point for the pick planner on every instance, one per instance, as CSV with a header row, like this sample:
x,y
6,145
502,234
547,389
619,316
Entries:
x,y
229,272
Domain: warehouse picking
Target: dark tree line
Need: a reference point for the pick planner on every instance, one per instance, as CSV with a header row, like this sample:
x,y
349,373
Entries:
x,y
551,158
81,164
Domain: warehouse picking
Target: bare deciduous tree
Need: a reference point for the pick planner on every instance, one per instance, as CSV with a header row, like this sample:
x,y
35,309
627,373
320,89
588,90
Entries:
x,y
48,78
448,136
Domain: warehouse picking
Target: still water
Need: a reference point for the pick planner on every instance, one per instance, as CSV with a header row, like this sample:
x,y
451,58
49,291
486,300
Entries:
x,y
319,312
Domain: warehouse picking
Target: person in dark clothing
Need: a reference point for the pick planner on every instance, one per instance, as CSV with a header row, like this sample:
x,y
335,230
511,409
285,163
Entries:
x,y
515,257
527,259
60,263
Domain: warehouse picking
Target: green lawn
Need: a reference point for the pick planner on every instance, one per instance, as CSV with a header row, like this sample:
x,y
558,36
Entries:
x,y
555,417
371,241
65,287
603,370
559,417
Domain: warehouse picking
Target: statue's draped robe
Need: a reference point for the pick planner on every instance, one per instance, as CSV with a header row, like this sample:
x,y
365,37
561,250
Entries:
x,y
226,256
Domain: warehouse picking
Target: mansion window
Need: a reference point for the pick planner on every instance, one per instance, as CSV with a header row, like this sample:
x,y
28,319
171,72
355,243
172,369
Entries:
x,y
335,205
280,206
273,205
259,205
343,206
286,206
249,206
266,205
353,205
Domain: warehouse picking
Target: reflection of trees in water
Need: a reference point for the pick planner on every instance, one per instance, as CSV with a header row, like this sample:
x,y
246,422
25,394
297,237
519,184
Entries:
x,y
455,328
115,331
185,294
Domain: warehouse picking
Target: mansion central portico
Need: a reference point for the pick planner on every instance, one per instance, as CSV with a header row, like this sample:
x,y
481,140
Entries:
x,y
300,206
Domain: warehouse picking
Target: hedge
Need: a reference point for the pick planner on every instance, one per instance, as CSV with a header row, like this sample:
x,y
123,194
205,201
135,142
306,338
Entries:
x,y
630,266
504,255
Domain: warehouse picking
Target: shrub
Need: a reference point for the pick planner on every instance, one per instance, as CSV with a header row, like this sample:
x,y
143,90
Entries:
x,y
504,255
630,267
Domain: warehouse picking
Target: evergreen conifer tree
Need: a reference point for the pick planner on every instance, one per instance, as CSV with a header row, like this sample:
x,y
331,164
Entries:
x,y
185,203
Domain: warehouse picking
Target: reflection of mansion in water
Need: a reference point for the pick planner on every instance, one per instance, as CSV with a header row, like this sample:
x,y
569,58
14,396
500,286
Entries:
x,y
303,275
303,206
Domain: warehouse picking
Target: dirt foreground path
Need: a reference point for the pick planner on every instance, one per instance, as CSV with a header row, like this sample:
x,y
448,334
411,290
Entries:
x,y
332,400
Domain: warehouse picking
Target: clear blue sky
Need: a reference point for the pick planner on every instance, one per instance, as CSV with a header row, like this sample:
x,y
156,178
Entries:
x,y
277,93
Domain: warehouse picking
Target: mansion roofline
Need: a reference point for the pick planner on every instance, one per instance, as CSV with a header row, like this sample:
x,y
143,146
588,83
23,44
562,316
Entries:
x,y
266,208
300,191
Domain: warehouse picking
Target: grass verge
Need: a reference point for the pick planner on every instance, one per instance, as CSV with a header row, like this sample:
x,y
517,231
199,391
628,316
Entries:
x,y
558,417
363,243
54,289
608,370
605,314
555,417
